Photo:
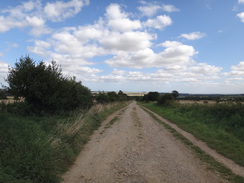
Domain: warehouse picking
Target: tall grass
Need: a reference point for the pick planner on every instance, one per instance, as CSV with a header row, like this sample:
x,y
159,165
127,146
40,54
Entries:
x,y
35,149
221,126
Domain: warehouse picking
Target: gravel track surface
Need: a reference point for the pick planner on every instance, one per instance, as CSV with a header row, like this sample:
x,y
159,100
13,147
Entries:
x,y
137,149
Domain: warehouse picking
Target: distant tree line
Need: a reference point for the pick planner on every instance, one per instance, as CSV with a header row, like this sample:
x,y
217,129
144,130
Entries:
x,y
162,99
106,97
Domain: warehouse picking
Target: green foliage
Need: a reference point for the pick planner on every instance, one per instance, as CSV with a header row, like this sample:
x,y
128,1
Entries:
x,y
213,164
3,94
44,87
25,153
113,96
221,126
165,99
151,96
20,108
102,98
35,149
175,94
108,97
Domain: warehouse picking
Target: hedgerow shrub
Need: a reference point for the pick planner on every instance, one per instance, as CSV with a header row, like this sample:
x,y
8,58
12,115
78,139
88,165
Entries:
x,y
45,88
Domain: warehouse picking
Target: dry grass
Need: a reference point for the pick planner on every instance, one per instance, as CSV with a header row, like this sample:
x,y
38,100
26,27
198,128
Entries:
x,y
11,99
74,126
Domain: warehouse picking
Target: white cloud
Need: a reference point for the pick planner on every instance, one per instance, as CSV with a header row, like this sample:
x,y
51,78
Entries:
x,y
139,59
71,48
90,32
28,6
197,72
128,41
237,70
124,25
175,53
130,44
119,20
33,14
41,48
240,1
169,8
3,71
35,21
114,12
150,9
160,22
81,72
193,35
24,15
8,23
60,10
241,16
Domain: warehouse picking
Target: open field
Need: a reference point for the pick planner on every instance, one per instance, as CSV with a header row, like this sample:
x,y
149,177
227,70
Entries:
x,y
207,101
221,126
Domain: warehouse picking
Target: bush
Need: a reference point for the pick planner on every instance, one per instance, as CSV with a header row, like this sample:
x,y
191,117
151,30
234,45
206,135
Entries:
x,y
103,97
3,94
44,87
165,99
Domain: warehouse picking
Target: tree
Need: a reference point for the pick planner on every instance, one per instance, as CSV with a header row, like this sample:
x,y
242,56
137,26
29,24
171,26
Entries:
x,y
113,96
122,96
152,96
45,88
165,99
102,98
175,94
3,94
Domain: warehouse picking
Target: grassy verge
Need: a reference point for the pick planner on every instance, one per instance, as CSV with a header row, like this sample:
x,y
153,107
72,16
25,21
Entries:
x,y
206,127
36,149
212,164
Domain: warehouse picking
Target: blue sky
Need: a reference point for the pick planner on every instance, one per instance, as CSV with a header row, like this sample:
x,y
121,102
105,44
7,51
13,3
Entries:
x,y
192,46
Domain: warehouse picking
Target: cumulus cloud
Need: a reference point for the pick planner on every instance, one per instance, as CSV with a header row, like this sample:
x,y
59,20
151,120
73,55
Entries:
x,y
169,8
139,59
237,70
197,72
175,53
71,48
240,1
193,35
119,20
160,22
150,9
125,45
128,41
241,16
60,10
34,14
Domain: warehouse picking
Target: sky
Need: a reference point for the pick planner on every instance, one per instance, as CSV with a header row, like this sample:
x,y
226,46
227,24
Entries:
x,y
192,46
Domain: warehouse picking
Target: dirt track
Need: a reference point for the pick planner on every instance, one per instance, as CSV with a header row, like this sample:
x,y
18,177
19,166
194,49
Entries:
x,y
136,149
